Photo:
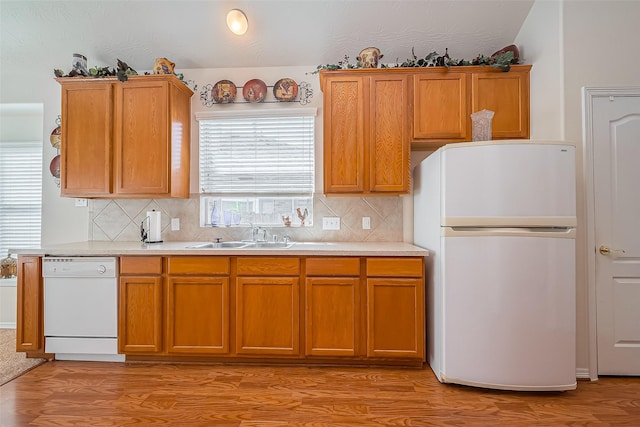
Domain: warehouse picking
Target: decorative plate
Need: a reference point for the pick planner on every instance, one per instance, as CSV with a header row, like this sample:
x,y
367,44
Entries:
x,y
254,90
56,137
54,166
224,92
285,90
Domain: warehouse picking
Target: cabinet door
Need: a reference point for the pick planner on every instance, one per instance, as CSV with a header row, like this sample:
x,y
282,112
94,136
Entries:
x,y
142,142
87,117
140,314
395,318
197,315
389,166
332,313
507,94
30,327
441,106
344,115
267,315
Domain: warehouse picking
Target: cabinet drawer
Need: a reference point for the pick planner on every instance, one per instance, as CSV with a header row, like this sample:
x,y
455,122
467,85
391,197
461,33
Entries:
x,y
141,265
198,265
394,267
338,266
263,266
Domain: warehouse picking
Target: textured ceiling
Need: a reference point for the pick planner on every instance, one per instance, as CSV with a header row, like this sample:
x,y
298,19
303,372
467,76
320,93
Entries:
x,y
193,34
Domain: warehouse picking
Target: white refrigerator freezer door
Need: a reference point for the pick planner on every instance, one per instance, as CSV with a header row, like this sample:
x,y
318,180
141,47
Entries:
x,y
509,312
515,184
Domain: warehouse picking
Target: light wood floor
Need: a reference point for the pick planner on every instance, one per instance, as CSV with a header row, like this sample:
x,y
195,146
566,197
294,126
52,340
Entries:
x,y
63,393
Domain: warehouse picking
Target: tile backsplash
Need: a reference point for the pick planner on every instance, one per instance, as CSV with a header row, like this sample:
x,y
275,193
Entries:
x,y
119,220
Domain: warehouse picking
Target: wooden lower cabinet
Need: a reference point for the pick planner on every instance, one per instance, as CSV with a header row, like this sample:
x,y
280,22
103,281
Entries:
x,y
30,298
198,305
332,314
197,315
267,306
267,315
332,307
328,309
395,307
140,299
395,318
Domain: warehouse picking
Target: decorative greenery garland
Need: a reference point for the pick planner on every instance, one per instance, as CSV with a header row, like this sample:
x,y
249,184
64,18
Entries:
x,y
502,61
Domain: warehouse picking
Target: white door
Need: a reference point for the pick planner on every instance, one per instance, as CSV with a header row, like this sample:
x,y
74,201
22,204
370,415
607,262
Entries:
x,y
616,178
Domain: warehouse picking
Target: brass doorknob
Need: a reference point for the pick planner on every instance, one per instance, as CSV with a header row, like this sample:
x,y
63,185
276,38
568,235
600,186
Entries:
x,y
606,250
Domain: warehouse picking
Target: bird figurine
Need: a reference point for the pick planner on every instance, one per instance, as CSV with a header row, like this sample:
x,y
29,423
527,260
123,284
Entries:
x,y
302,216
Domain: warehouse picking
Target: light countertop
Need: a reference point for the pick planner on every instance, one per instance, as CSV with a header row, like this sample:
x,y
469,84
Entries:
x,y
101,248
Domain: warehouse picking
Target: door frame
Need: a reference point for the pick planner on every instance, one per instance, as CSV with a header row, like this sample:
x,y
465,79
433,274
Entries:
x,y
588,96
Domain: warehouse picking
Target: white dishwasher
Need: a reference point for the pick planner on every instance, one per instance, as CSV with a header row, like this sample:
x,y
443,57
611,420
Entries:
x,y
81,308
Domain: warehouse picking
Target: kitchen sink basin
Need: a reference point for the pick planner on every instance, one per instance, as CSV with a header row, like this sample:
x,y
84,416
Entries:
x,y
273,245
242,245
227,245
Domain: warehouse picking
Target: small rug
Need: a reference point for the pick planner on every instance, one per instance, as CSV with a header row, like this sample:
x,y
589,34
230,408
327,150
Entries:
x,y
12,363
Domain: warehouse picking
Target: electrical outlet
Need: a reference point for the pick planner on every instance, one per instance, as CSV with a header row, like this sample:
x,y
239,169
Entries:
x,y
175,224
366,223
81,203
331,223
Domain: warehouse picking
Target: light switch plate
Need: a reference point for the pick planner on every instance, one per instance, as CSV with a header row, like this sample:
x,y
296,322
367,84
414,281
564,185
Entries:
x,y
175,224
331,223
81,203
366,223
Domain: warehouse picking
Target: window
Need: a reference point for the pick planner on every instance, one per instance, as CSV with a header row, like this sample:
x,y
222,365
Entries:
x,y
256,169
20,176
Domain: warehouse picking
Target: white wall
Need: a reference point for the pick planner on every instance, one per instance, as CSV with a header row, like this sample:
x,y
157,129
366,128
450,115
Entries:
x,y
61,220
8,303
573,44
540,44
601,49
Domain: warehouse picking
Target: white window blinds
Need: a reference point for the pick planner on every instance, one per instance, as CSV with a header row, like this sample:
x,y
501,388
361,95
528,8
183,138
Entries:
x,y
20,195
272,153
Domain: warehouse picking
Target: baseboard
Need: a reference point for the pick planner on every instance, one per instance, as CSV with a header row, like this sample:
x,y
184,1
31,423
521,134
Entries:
x,y
7,325
583,374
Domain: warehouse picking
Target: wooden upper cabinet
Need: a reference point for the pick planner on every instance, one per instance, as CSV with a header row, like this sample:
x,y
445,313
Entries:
x,y
507,94
366,139
441,103
142,149
388,146
344,109
87,132
125,139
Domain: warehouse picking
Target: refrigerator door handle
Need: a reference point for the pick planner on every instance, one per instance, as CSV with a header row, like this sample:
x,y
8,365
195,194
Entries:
x,y
557,232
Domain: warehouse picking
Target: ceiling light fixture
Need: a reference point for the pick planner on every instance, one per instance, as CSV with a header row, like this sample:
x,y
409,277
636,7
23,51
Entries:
x,y
237,21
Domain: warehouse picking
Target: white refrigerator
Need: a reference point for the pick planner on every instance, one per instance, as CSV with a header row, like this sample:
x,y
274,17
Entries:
x,y
499,221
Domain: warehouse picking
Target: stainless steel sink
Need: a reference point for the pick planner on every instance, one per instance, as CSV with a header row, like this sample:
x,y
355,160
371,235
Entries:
x,y
242,245
227,245
273,245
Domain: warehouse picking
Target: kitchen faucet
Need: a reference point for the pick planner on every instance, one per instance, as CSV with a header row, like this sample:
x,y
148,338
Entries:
x,y
258,234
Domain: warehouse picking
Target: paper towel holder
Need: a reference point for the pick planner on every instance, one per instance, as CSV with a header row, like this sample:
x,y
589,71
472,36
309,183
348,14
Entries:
x,y
145,232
